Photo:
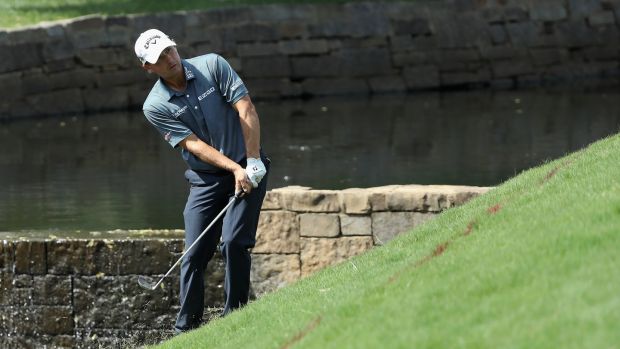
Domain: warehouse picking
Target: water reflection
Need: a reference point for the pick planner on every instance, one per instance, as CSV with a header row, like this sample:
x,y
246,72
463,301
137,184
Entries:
x,y
113,171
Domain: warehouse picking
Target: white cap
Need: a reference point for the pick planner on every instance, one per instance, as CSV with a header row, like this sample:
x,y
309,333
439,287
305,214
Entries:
x,y
149,45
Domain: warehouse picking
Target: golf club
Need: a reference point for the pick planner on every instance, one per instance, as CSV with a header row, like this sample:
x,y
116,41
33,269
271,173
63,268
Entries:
x,y
149,283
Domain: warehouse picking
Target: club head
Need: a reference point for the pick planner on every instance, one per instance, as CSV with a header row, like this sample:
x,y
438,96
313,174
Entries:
x,y
147,282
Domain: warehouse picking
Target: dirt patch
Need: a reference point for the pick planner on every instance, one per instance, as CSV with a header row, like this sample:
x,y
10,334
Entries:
x,y
551,174
554,171
494,209
438,251
311,326
470,228
441,248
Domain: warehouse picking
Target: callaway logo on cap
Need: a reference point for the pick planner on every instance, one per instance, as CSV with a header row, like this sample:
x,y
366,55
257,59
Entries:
x,y
149,45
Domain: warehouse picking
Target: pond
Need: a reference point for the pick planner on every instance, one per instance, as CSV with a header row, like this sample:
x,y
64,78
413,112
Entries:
x,y
113,171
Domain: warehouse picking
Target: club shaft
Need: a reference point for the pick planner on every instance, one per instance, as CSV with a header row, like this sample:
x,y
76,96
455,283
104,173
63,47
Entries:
x,y
198,239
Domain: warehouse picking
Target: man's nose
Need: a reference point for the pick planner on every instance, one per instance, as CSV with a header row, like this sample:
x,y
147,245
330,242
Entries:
x,y
168,57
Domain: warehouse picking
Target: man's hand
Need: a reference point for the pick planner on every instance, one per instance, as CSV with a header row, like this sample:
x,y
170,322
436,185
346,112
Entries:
x,y
242,183
255,170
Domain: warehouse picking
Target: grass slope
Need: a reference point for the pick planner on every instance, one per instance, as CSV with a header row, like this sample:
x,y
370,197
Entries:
x,y
534,263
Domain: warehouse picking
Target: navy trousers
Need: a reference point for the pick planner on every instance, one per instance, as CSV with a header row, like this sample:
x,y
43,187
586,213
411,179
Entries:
x,y
209,194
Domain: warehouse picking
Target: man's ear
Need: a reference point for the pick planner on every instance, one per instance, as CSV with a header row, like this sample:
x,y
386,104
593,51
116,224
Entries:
x,y
146,68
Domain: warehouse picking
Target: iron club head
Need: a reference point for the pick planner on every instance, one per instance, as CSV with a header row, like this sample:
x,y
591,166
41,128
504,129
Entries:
x,y
147,282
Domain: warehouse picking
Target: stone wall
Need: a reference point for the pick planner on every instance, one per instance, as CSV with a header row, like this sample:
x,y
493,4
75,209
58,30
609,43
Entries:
x,y
80,290
282,51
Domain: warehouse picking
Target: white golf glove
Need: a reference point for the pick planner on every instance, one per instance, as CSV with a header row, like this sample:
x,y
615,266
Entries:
x,y
255,170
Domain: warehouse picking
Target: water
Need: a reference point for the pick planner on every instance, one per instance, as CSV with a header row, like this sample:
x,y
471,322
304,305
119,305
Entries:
x,y
112,171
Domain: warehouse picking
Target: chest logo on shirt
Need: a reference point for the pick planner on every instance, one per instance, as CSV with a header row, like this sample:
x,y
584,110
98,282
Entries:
x,y
188,74
178,113
204,95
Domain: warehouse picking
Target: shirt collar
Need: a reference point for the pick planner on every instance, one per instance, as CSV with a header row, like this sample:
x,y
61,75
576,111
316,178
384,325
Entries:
x,y
189,75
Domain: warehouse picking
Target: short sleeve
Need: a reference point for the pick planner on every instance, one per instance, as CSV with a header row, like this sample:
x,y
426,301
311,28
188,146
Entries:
x,y
231,86
173,131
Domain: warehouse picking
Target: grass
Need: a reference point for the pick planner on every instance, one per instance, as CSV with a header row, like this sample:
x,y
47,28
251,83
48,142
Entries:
x,y
16,13
532,264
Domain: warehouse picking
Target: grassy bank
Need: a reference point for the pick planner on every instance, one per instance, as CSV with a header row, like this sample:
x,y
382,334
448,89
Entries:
x,y
16,13
532,264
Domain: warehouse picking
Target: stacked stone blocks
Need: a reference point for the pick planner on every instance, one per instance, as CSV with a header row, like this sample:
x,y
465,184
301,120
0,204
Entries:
x,y
82,291
317,228
287,51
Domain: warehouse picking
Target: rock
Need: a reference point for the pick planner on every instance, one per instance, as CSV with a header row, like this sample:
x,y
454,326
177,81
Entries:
x,y
272,271
580,9
387,84
55,320
303,200
87,32
100,57
273,88
7,255
548,56
56,102
498,34
422,77
602,18
112,98
387,225
413,26
511,68
6,288
318,253
255,32
501,52
22,281
266,66
254,49
460,30
20,57
355,225
355,201
319,66
378,197
324,87
278,232
30,257
53,290
296,47
548,11
319,225
466,77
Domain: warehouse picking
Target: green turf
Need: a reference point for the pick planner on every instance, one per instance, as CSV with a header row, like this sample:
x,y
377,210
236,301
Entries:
x,y
16,13
542,271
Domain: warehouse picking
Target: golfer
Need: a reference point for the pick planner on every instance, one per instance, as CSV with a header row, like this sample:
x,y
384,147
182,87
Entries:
x,y
202,106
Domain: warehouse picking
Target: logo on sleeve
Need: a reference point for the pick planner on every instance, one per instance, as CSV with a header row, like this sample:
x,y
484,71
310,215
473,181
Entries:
x,y
236,85
168,136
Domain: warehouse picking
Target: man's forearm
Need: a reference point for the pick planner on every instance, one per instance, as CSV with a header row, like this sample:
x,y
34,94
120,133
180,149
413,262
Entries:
x,y
250,125
208,154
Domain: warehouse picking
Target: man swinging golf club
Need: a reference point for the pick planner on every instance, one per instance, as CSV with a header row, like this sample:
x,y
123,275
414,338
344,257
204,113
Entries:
x,y
201,105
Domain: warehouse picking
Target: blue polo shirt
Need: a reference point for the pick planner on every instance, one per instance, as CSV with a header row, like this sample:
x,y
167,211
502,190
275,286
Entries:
x,y
204,108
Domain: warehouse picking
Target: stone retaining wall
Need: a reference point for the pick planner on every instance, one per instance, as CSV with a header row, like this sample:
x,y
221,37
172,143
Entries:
x,y
87,64
82,291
